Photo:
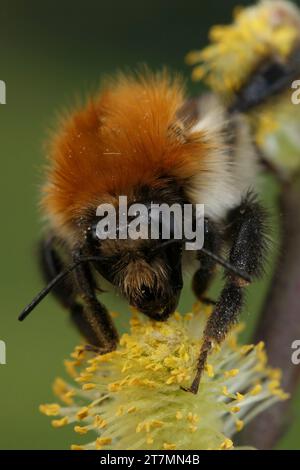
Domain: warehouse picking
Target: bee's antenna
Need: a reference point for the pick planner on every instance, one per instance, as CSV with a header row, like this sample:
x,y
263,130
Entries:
x,y
228,266
44,292
221,261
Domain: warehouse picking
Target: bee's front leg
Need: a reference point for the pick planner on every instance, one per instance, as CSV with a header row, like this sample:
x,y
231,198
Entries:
x,y
94,321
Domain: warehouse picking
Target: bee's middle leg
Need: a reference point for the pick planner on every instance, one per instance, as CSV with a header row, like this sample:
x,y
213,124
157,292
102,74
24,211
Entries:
x,y
203,276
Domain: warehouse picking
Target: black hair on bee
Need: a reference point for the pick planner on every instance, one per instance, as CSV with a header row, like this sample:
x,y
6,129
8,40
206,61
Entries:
x,y
137,138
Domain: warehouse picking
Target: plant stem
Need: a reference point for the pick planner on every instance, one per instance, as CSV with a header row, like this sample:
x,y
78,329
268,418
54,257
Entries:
x,y
279,324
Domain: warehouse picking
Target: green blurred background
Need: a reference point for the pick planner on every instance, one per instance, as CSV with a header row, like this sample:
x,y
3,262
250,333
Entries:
x,y
51,53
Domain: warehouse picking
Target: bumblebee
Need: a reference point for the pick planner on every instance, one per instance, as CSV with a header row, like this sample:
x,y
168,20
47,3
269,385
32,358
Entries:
x,y
138,138
253,65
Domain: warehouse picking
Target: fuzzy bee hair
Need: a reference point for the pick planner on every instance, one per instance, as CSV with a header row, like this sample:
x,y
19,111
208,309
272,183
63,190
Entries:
x,y
135,134
139,139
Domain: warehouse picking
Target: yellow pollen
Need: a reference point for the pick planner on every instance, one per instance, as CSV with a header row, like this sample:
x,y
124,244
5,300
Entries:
x,y
114,387
70,367
281,394
210,370
193,418
139,427
274,384
132,409
60,387
168,446
149,440
275,374
67,398
78,353
102,441
135,322
103,424
235,409
104,358
92,368
100,422
226,444
81,429
239,424
127,366
256,390
88,386
83,413
236,50
231,373
157,424
260,346
136,389
59,423
246,349
177,316
240,397
76,447
84,378
149,383
193,428
147,425
50,410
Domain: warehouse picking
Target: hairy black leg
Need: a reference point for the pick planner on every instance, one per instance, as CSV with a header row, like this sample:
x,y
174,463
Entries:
x,y
70,295
95,315
246,229
51,264
203,276
78,317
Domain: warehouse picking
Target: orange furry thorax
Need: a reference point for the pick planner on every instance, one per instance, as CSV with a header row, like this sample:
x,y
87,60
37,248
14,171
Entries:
x,y
130,135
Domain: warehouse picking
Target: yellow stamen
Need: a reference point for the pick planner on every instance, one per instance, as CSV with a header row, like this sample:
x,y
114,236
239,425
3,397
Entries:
x,y
88,386
59,423
102,441
256,390
226,444
210,370
81,429
51,409
239,424
231,373
83,413
168,446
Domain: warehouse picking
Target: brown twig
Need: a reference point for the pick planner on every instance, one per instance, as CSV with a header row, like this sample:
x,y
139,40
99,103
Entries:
x,y
279,325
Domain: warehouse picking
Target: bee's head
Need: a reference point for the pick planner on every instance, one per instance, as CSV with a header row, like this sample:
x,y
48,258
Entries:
x,y
146,273
146,270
